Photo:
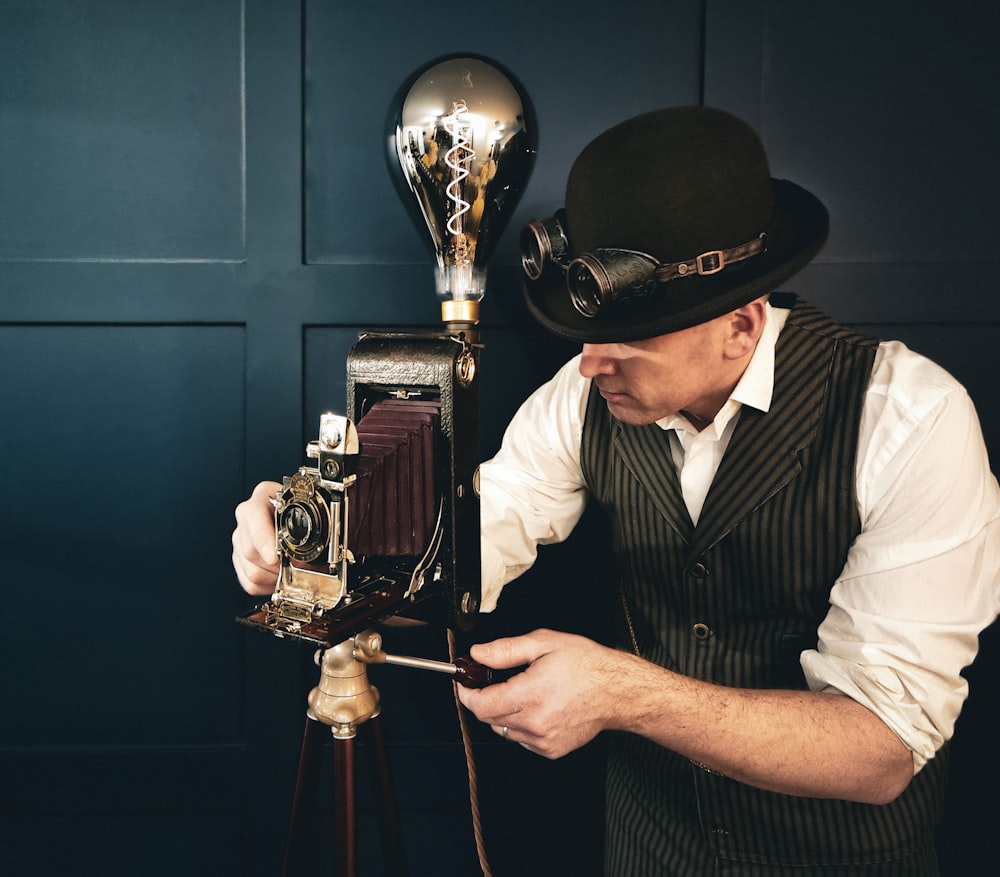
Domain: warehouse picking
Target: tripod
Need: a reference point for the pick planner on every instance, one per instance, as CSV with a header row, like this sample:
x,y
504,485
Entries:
x,y
344,701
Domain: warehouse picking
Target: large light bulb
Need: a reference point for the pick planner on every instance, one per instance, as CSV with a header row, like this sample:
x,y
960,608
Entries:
x,y
465,139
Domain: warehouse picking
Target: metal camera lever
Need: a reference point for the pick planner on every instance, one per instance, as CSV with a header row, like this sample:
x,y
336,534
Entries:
x,y
467,672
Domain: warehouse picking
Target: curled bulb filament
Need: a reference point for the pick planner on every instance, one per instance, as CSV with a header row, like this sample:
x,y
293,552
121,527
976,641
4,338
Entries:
x,y
457,158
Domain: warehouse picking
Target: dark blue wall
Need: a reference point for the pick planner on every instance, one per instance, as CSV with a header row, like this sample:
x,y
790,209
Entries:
x,y
196,218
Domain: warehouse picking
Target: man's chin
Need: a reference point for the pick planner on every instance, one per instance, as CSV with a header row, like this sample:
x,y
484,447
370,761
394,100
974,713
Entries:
x,y
626,413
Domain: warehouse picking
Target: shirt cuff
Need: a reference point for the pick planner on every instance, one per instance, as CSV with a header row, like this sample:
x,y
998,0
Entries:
x,y
886,693
493,575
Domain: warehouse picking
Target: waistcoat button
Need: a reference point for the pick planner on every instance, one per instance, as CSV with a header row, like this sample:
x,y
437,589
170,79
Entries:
x,y
701,631
698,570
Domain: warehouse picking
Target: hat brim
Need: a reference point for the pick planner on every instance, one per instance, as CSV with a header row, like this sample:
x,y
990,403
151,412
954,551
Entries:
x,y
798,229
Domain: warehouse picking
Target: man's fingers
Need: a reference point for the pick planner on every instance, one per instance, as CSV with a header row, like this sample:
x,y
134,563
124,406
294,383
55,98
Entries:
x,y
255,525
256,581
513,651
255,557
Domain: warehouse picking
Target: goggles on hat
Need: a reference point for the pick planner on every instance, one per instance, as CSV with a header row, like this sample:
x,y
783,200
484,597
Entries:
x,y
604,277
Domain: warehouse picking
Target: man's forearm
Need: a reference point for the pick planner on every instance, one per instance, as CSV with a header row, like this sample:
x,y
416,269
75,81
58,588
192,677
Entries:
x,y
793,742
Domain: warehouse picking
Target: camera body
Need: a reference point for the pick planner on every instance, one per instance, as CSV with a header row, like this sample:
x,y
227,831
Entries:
x,y
386,521
310,514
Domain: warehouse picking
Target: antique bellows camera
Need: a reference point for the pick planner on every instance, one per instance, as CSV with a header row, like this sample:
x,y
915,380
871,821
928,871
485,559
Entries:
x,y
385,520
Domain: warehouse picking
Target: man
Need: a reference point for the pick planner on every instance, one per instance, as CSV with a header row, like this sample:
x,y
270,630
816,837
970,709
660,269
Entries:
x,y
807,529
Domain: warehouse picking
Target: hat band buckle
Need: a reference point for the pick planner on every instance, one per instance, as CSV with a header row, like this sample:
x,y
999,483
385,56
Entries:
x,y
711,261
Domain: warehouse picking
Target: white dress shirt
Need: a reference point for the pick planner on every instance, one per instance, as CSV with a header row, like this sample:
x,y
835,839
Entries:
x,y
921,580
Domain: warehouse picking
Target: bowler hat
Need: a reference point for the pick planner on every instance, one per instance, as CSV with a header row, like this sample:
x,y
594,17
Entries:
x,y
671,219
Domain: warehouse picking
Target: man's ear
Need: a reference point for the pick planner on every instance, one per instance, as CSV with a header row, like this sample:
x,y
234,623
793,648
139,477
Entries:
x,y
746,325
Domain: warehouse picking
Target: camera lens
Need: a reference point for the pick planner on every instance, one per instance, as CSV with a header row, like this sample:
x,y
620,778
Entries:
x,y
298,524
303,529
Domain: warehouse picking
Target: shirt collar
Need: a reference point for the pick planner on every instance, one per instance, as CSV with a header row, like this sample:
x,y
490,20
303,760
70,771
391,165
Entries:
x,y
755,388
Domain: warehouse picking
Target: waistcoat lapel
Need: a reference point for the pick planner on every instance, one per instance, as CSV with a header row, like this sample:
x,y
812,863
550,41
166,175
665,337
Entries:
x,y
645,452
762,456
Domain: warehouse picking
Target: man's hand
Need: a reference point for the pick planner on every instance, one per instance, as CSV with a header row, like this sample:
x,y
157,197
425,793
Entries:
x,y
794,742
254,556
564,698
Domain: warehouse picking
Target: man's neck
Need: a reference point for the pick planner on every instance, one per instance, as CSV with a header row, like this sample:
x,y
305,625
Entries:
x,y
699,423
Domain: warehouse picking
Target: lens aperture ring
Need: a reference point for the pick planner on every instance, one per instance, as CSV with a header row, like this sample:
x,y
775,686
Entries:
x,y
304,528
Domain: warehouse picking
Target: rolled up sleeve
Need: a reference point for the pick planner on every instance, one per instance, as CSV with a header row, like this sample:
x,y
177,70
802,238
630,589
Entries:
x,y
532,492
921,581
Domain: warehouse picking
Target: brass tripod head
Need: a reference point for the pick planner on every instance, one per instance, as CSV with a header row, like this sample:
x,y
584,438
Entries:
x,y
344,697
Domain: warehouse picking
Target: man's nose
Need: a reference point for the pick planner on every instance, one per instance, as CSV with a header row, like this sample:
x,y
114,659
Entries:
x,y
596,360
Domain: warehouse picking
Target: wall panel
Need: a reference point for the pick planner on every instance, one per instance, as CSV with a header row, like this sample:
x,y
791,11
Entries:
x,y
121,446
123,131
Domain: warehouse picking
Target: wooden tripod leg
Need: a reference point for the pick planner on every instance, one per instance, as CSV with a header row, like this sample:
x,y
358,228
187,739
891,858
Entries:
x,y
345,825
304,801
393,855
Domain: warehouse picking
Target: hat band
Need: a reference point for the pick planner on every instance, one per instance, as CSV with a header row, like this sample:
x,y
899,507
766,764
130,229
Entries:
x,y
710,262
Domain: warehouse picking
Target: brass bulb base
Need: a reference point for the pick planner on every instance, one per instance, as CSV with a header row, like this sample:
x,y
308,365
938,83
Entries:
x,y
460,312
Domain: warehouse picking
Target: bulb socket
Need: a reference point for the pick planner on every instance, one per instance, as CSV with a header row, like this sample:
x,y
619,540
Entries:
x,y
465,311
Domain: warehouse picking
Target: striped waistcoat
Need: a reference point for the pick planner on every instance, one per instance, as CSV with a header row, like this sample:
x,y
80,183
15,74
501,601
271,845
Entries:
x,y
734,600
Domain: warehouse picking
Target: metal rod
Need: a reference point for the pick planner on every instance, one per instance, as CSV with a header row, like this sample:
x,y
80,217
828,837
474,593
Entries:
x,y
421,664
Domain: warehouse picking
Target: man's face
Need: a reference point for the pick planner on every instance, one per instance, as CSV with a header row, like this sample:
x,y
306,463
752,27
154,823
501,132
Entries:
x,y
643,381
